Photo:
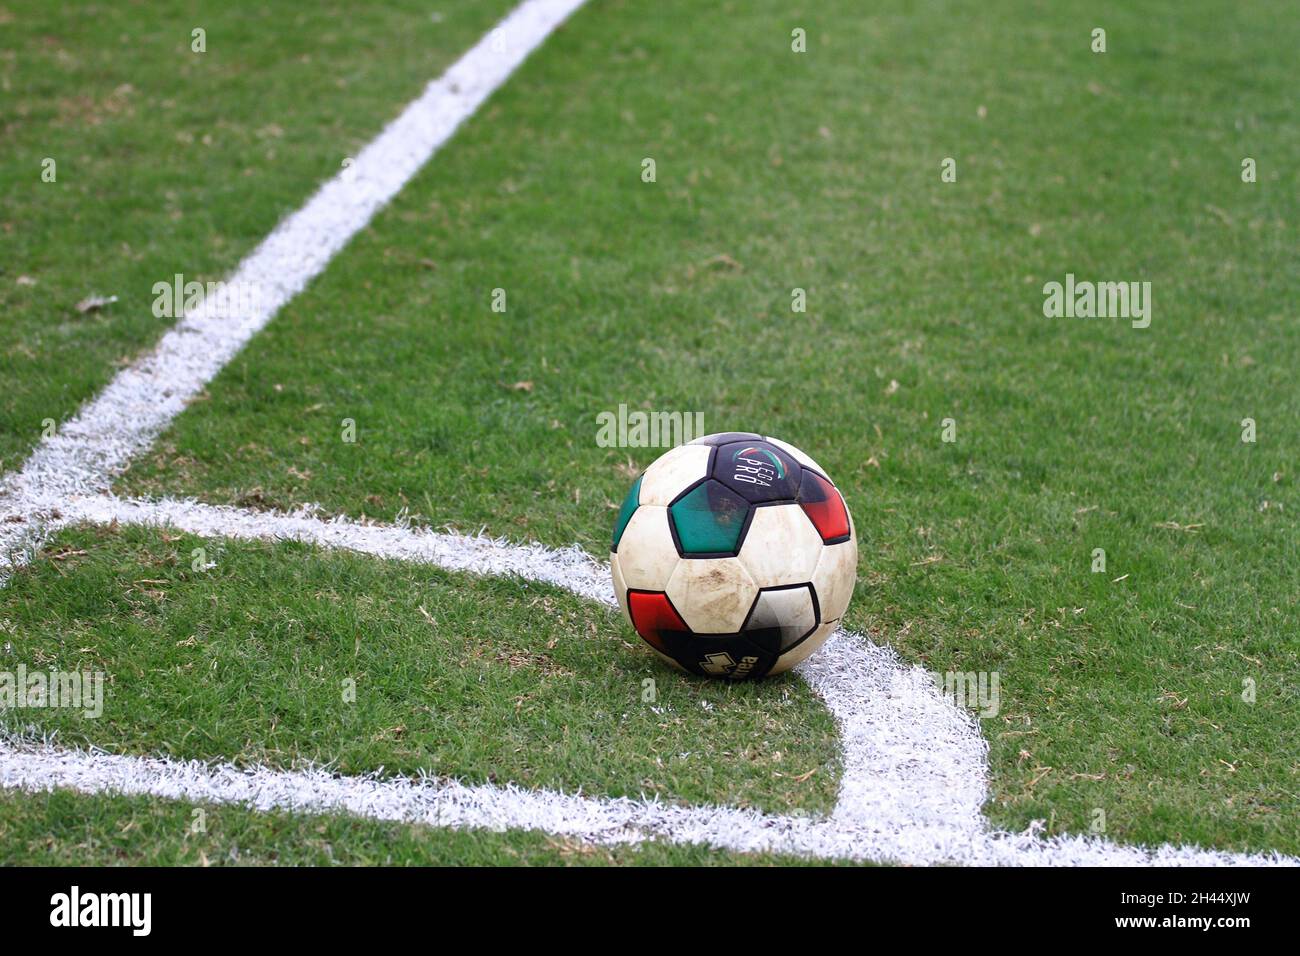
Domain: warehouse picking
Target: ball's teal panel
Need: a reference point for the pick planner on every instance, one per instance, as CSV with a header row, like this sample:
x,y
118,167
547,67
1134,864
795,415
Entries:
x,y
625,513
709,519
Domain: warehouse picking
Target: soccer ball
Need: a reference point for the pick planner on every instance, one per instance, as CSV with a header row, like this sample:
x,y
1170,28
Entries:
x,y
734,556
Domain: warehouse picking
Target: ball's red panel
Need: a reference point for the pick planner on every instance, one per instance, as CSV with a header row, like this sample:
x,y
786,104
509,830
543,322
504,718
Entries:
x,y
651,613
824,506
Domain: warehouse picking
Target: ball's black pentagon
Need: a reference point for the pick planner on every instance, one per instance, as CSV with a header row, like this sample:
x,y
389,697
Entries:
x,y
757,470
723,438
728,656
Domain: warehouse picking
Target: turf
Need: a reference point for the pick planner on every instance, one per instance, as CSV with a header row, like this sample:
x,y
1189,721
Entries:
x,y
170,161
280,654
1121,690
72,829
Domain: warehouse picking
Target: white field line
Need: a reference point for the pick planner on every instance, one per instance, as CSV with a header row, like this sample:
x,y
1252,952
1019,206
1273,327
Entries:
x,y
39,767
89,449
914,767
910,758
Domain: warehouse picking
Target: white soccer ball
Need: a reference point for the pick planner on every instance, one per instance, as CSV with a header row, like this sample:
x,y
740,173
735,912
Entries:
x,y
734,556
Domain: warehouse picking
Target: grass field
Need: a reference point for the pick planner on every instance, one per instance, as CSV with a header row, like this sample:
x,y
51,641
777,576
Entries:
x,y
1122,689
171,161
281,654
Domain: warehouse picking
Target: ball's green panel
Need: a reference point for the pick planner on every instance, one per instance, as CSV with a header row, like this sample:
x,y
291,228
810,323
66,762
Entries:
x,y
709,519
625,513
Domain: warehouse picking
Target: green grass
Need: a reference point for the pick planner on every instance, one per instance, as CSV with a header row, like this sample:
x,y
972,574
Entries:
x,y
72,829
172,161
1121,690
282,654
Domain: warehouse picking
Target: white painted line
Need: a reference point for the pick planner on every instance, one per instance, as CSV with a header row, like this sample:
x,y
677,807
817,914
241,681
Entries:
x,y
914,765
89,449
910,758
570,568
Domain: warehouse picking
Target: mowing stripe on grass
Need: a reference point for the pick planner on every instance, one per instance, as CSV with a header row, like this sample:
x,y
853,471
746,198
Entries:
x,y
914,765
82,457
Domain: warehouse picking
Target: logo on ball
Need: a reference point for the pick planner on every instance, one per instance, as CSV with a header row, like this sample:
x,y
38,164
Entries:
x,y
724,665
757,466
